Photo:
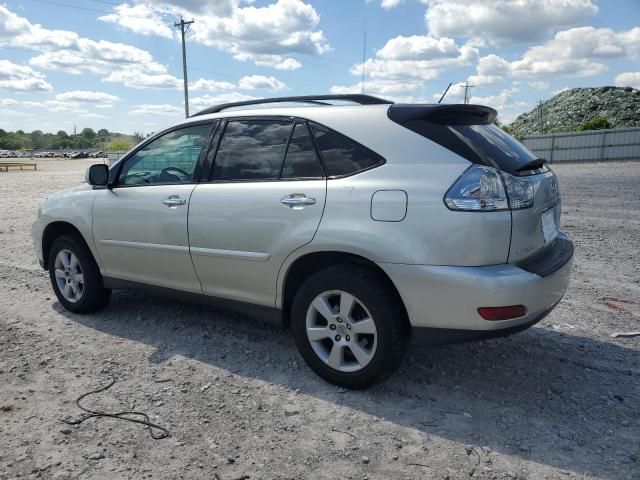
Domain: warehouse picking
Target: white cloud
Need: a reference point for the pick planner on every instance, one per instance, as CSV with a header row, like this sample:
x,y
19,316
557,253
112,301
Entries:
x,y
209,85
417,47
206,101
268,35
502,101
140,80
67,51
217,8
389,4
87,96
156,109
22,78
483,80
628,79
384,88
140,18
90,115
403,65
505,21
579,51
252,82
539,85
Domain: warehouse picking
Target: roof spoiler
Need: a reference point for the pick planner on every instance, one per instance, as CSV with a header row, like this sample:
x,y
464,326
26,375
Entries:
x,y
312,99
449,113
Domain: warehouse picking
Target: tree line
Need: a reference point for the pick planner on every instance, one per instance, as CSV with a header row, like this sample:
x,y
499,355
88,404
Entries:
x,y
87,139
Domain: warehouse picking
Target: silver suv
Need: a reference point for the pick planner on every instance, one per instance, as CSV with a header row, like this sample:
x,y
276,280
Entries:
x,y
358,223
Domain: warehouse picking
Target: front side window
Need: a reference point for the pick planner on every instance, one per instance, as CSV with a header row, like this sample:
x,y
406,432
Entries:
x,y
171,158
252,150
341,155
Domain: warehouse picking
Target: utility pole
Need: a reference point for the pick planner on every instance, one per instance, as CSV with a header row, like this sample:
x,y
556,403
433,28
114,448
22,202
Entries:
x,y
466,92
184,26
541,111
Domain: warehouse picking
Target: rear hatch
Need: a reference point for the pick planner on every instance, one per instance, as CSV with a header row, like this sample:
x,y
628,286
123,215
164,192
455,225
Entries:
x,y
469,131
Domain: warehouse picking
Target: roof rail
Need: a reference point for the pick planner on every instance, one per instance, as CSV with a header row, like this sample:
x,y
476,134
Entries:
x,y
314,99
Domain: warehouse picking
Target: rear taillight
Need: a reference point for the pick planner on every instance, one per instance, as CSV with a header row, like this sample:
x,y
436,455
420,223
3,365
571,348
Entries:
x,y
483,189
502,313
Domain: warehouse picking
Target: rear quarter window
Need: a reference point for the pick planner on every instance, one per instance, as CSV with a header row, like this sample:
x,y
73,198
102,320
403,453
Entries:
x,y
341,155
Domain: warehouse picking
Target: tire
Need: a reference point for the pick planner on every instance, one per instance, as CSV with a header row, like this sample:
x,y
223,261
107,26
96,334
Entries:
x,y
88,295
373,299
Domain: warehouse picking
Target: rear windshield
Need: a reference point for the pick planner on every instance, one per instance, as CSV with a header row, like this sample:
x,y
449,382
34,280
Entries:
x,y
479,142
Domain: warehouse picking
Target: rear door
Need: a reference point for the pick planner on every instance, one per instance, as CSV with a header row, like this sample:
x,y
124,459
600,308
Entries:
x,y
265,199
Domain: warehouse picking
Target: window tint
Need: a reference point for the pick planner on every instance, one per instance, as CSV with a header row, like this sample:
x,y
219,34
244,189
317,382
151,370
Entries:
x,y
301,160
496,146
341,155
171,158
252,150
467,133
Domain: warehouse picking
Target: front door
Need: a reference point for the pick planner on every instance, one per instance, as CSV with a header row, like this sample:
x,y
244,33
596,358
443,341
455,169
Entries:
x,y
265,199
140,225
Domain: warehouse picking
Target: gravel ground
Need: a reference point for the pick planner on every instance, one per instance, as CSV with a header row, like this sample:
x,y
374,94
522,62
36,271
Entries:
x,y
561,400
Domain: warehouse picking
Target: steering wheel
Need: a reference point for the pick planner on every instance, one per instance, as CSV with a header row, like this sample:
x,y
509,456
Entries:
x,y
166,173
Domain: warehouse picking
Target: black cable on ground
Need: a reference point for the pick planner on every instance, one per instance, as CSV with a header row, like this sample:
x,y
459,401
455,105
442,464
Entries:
x,y
164,433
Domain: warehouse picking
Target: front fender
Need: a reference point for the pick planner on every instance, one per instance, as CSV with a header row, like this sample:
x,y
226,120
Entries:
x,y
73,206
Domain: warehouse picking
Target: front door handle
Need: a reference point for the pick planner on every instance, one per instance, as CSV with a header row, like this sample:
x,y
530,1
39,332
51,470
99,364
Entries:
x,y
174,201
297,200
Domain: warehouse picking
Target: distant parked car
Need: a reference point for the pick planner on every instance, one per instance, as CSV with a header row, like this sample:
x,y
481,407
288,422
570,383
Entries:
x,y
360,226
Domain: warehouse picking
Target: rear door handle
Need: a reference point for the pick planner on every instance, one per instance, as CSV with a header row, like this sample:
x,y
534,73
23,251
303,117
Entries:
x,y
297,200
174,201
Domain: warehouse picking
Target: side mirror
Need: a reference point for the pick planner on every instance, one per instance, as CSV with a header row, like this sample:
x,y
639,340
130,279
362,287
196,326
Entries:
x,y
97,175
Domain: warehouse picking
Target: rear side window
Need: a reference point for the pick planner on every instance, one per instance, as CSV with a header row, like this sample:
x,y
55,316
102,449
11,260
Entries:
x,y
301,160
469,135
342,156
252,150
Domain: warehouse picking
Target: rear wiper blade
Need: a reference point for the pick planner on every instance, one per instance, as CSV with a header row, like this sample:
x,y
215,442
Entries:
x,y
532,165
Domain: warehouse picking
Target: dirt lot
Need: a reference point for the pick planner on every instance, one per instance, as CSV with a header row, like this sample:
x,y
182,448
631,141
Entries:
x,y
561,400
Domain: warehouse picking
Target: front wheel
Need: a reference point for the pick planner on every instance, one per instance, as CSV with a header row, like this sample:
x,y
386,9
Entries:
x,y
348,326
75,276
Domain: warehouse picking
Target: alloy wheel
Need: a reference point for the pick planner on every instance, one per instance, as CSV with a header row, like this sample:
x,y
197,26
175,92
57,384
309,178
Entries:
x,y
341,331
69,277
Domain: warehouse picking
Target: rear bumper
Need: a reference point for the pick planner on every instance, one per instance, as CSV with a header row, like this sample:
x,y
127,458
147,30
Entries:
x,y
448,297
443,336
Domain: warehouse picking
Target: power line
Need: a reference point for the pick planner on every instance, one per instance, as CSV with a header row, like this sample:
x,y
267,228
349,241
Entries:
x,y
184,26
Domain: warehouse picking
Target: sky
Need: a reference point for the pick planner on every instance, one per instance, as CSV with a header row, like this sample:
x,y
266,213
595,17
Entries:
x,y
118,65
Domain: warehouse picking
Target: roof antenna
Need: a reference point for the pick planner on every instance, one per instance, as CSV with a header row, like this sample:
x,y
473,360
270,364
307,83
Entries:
x,y
445,92
364,49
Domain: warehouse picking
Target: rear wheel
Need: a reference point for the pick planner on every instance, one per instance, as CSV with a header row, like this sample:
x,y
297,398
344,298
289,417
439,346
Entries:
x,y
348,326
75,276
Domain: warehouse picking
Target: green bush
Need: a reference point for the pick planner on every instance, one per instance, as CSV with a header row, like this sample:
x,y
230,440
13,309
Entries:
x,y
118,145
596,123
